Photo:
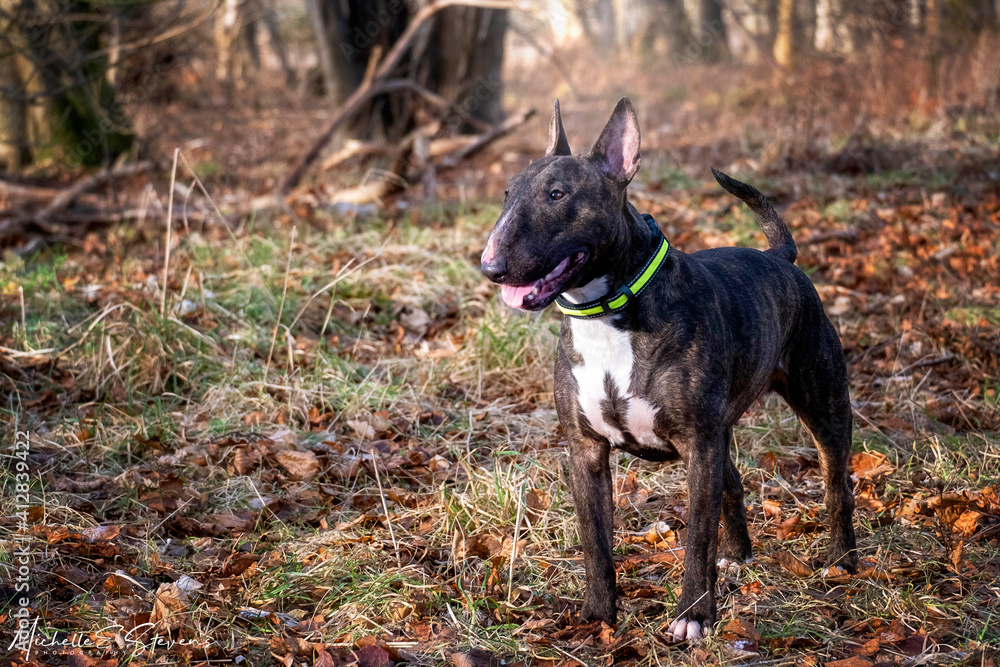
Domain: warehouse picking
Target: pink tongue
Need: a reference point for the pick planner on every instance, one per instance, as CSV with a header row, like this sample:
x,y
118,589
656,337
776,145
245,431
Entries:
x,y
513,295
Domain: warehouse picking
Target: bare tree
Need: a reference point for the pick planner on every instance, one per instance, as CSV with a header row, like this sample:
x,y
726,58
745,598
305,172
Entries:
x,y
784,42
710,30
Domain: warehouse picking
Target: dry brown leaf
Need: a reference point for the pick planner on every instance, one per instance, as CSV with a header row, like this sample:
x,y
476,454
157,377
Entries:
x,y
853,661
301,466
101,533
537,500
324,659
957,558
786,527
967,523
772,508
475,658
170,604
80,659
369,656
793,564
243,461
868,465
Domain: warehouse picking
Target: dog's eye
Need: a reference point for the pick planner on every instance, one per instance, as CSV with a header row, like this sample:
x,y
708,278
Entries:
x,y
505,193
556,195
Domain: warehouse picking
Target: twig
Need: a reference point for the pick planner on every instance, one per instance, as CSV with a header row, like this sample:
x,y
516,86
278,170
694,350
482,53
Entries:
x,y
928,362
281,306
166,252
24,314
28,191
162,37
513,548
385,508
488,137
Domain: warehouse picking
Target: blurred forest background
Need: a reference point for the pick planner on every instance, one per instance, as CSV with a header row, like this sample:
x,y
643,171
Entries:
x,y
275,411
88,84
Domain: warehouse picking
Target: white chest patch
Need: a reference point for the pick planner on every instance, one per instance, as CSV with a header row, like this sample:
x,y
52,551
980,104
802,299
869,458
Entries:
x,y
607,351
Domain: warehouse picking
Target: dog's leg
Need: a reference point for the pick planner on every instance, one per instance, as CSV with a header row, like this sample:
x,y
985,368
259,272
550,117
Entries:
x,y
735,546
817,392
706,464
590,480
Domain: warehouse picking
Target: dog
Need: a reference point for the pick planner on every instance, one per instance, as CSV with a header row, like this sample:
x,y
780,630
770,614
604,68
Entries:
x,y
661,352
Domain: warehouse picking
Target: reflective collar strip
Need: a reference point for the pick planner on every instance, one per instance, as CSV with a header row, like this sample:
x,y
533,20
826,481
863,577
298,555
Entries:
x,y
621,297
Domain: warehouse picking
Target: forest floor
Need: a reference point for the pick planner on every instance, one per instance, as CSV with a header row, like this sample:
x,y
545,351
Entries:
x,y
327,442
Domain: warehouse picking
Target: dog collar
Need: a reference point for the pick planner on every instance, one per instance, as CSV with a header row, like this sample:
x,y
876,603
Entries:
x,y
617,300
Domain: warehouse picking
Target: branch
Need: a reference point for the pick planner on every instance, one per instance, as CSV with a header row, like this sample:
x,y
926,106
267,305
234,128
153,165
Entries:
x,y
488,137
70,194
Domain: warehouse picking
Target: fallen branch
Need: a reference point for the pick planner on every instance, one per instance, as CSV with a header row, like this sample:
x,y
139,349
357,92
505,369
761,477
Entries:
x,y
27,191
70,194
354,148
482,140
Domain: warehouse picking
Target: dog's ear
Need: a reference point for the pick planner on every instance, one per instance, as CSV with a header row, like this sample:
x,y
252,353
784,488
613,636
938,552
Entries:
x,y
617,149
557,136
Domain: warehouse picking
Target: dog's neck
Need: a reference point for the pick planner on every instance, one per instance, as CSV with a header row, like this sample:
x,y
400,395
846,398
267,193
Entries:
x,y
630,251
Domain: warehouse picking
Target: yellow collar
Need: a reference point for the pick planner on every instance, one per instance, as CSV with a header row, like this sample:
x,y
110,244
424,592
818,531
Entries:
x,y
617,300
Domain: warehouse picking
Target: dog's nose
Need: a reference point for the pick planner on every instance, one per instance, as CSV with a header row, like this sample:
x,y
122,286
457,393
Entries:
x,y
495,269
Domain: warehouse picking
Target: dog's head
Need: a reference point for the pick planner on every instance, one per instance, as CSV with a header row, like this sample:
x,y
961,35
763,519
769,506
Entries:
x,y
562,215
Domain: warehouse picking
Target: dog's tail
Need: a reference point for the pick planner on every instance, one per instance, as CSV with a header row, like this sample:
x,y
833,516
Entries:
x,y
778,237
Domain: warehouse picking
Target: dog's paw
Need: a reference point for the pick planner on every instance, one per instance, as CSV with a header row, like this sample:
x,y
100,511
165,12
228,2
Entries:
x,y
599,612
681,629
732,566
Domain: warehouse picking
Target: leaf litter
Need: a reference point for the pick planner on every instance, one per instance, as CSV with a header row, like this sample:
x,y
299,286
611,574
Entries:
x,y
391,487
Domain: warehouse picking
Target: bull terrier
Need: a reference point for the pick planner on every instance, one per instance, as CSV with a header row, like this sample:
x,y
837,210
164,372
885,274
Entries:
x,y
661,352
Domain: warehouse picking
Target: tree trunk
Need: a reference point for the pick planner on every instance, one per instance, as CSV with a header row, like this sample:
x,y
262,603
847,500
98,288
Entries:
x,y
226,30
678,29
462,62
784,42
711,30
832,34
60,101
932,24
458,55
13,109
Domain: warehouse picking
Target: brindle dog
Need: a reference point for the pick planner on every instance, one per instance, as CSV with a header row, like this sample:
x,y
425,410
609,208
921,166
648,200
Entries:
x,y
671,372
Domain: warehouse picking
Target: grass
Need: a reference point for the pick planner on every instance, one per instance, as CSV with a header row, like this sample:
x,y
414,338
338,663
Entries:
x,y
422,410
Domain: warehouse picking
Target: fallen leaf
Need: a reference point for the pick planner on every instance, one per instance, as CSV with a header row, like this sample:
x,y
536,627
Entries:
x,y
476,658
369,656
868,465
101,533
853,661
80,659
537,500
915,644
793,564
300,465
786,527
772,508
324,659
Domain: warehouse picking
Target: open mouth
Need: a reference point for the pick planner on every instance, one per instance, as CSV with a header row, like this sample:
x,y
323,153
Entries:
x,y
540,293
